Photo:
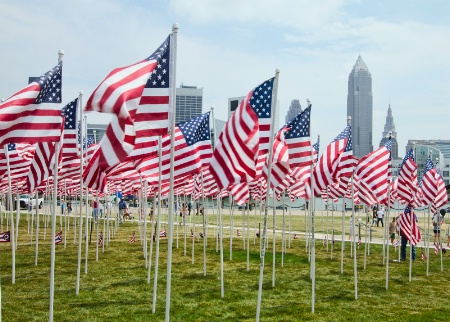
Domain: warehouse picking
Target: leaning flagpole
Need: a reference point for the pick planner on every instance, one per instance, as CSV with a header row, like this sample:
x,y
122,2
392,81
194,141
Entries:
x,y
55,195
264,233
172,80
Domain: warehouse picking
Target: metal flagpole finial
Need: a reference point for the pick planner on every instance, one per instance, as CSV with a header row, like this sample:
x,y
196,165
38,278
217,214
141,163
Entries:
x,y
308,102
318,136
349,120
60,55
212,107
175,27
81,93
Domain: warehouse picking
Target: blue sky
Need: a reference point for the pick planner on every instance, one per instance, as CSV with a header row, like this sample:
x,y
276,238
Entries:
x,y
228,47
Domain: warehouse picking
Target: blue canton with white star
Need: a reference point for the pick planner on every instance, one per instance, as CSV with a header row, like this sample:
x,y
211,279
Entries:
x,y
196,129
299,125
261,100
50,84
69,112
160,75
428,165
346,134
11,146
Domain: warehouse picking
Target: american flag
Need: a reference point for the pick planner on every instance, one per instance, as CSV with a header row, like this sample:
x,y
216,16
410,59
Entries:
x,y
58,238
404,223
325,240
407,179
436,248
396,243
132,238
5,237
132,98
238,233
428,183
373,171
70,145
200,234
33,114
298,141
163,233
295,236
192,150
240,193
244,139
423,256
326,169
100,239
316,147
280,160
20,156
441,198
43,163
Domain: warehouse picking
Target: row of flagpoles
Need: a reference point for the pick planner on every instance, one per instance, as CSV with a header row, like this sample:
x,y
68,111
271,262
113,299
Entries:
x,y
144,147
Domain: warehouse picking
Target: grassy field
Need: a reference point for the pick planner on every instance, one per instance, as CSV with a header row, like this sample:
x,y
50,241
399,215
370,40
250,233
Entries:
x,y
116,288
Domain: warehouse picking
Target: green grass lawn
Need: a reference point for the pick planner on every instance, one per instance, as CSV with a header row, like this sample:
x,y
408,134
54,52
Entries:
x,y
116,288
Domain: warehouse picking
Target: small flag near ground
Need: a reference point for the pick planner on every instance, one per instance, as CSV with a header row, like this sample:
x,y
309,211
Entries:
x,y
396,243
132,238
238,233
100,239
295,236
423,255
325,240
359,242
162,233
200,234
192,234
436,248
58,238
5,237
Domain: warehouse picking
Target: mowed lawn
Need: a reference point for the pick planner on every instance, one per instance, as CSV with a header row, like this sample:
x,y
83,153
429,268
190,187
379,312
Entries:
x,y
116,289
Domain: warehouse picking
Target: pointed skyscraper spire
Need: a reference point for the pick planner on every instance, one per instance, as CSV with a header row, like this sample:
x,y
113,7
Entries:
x,y
389,130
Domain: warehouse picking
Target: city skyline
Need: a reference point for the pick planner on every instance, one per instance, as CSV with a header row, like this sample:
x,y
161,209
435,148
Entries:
x,y
226,47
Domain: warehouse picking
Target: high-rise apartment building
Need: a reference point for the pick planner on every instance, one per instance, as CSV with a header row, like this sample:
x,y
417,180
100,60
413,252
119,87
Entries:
x,y
389,129
189,103
360,108
294,109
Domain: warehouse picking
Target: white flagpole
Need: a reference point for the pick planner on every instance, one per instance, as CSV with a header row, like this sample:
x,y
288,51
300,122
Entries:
x,y
158,226
427,249
313,242
52,242
11,217
248,235
152,235
37,232
283,238
411,244
388,224
264,233
219,211
355,267
173,46
87,214
80,225
273,235
230,198
204,225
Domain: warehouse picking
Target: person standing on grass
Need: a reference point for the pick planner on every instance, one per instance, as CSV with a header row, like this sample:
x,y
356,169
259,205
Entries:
x,y
122,210
392,230
404,240
95,210
437,222
380,215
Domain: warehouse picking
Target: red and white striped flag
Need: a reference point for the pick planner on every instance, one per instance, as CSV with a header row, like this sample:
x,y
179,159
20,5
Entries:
x,y
429,184
280,160
327,168
441,198
404,223
373,172
298,140
138,96
58,238
243,144
33,114
407,179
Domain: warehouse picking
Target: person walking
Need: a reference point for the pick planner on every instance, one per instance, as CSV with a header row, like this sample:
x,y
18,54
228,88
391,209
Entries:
x,y
392,230
380,216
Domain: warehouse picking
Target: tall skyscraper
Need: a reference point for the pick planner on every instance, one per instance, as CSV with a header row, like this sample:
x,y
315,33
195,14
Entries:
x,y
294,109
189,102
389,127
360,108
